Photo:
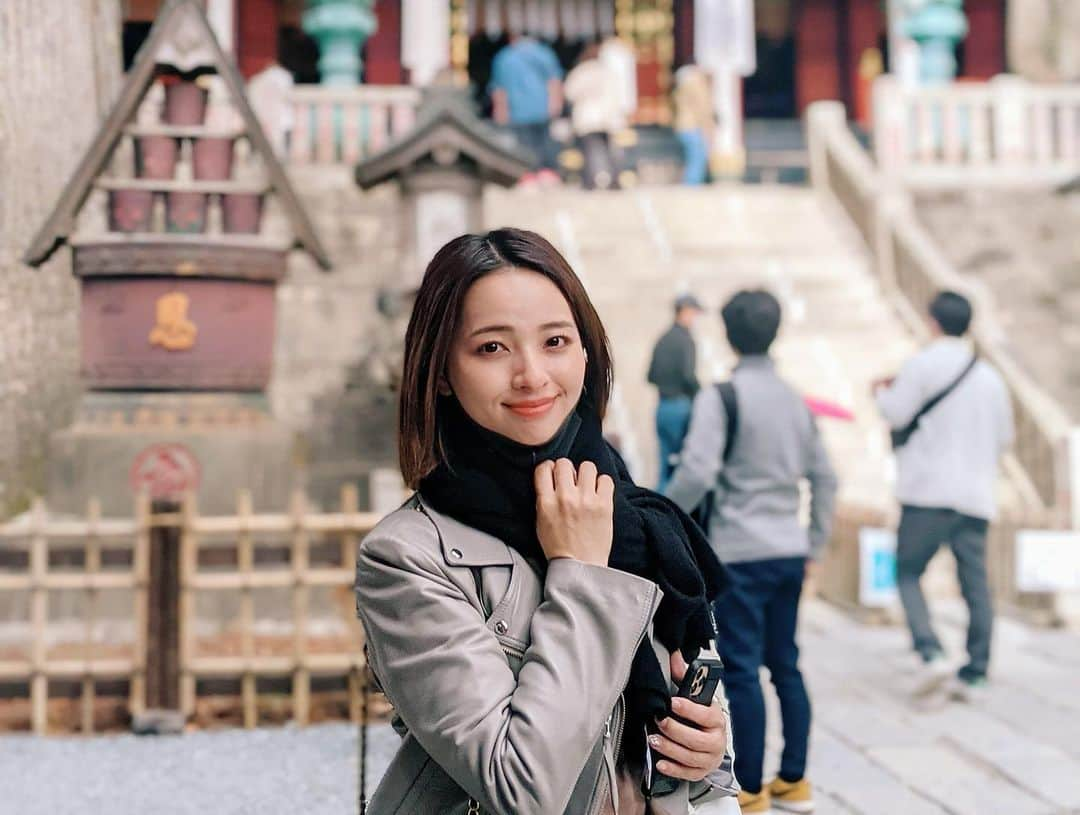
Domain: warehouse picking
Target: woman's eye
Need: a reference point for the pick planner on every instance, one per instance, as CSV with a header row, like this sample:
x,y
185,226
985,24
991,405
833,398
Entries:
x,y
558,342
489,348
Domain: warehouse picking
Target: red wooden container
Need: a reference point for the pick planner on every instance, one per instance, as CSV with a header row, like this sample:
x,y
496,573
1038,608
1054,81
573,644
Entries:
x,y
130,210
185,103
178,333
213,159
242,212
185,212
155,157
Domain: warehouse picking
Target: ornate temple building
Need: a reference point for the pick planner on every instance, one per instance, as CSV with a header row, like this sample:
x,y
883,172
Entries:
x,y
805,49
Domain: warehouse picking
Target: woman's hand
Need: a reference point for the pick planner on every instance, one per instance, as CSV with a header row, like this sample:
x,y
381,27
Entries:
x,y
692,752
574,511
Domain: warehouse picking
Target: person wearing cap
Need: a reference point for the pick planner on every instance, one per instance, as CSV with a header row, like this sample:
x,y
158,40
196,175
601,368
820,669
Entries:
x,y
672,371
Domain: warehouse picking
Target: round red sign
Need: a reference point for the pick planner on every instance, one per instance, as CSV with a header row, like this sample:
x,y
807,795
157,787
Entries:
x,y
165,471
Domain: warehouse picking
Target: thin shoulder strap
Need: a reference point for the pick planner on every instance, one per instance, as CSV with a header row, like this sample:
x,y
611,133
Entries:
x,y
731,410
941,395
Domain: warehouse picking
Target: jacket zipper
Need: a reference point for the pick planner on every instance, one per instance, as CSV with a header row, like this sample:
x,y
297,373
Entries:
x,y
607,787
514,652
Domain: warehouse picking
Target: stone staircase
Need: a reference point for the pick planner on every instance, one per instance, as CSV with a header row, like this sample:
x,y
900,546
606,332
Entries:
x,y
637,249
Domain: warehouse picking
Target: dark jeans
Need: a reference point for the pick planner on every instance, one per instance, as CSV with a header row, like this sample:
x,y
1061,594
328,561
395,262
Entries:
x,y
922,531
672,422
536,138
756,619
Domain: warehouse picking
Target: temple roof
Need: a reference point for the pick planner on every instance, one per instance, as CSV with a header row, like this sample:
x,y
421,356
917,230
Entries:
x,y
182,37
447,128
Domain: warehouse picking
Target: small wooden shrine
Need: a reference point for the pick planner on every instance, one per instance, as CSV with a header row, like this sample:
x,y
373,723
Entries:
x,y
181,220
441,166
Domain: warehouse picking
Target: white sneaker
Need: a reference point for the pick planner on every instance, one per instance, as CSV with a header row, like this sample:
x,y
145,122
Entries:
x,y
933,675
972,691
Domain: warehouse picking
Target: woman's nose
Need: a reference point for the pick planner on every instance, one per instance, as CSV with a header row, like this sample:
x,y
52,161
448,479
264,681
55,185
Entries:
x,y
529,374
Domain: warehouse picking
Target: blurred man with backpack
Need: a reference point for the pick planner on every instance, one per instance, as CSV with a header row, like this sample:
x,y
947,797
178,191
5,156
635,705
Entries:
x,y
752,442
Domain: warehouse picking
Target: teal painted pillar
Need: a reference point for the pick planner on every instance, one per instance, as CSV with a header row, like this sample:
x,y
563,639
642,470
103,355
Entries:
x,y
341,28
937,26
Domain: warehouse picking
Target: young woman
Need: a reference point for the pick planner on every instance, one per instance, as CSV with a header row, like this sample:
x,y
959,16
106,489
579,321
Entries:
x,y
528,608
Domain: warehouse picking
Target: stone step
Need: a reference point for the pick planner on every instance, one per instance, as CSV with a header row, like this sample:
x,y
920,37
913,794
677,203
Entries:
x,y
638,249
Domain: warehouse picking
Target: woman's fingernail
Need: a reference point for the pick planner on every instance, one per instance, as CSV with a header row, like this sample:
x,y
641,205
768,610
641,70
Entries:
x,y
654,741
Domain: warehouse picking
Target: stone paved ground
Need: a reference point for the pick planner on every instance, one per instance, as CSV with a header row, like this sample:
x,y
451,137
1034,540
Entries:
x,y
873,751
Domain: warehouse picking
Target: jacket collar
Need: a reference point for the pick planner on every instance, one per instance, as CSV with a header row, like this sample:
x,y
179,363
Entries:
x,y
462,545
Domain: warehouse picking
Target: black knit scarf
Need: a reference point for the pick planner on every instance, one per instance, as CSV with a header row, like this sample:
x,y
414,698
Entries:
x,y
487,483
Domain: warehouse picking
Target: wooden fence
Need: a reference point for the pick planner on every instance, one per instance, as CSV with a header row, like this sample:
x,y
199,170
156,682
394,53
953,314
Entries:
x,y
168,557
38,535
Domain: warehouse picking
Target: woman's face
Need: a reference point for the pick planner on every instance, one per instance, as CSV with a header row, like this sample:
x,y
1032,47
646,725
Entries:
x,y
516,364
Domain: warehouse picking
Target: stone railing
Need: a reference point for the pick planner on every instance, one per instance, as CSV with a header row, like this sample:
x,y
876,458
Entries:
x,y
910,264
1005,132
328,125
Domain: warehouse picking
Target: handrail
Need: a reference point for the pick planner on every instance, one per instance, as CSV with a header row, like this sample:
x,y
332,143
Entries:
x,y
911,265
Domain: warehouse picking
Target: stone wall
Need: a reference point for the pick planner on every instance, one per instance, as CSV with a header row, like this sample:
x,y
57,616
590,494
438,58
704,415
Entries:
x,y
1021,248
327,321
60,68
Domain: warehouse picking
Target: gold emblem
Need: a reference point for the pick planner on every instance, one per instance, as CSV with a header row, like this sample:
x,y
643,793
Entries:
x,y
174,331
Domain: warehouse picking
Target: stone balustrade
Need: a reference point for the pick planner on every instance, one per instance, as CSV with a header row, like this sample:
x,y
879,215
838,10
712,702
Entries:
x,y
341,125
1005,132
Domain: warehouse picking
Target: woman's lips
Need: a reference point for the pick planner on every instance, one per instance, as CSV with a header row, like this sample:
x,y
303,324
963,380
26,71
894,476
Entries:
x,y
533,408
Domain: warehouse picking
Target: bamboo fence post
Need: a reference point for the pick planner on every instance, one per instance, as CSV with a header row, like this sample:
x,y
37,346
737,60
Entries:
x,y
39,608
140,566
350,504
245,558
92,567
355,692
301,674
189,554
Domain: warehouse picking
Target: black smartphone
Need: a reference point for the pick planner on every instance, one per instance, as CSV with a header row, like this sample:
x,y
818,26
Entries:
x,y
699,685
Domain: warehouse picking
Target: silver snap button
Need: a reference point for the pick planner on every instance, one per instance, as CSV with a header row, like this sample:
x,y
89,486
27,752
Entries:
x,y
501,627
455,554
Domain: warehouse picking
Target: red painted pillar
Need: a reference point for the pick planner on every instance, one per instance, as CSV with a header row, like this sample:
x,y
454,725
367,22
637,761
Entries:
x,y
865,25
256,35
382,53
817,52
984,46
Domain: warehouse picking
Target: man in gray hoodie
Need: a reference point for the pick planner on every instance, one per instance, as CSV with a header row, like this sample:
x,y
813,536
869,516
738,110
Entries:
x,y
754,527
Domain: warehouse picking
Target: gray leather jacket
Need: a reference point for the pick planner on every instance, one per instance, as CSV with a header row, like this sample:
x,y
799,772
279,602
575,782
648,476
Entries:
x,y
507,688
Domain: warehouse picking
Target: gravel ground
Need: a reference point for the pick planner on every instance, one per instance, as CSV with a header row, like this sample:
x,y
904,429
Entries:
x,y
287,771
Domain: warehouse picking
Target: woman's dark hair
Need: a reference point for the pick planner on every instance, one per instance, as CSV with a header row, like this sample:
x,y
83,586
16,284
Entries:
x,y
434,323
952,312
752,319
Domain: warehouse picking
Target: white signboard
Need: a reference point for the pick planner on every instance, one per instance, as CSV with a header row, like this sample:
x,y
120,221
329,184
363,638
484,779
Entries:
x,y
877,567
440,216
1047,560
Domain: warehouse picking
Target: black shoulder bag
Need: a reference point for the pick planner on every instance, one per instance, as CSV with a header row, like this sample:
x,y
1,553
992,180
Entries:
x,y
901,435
702,513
